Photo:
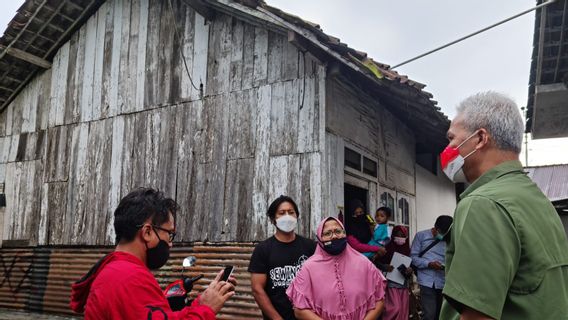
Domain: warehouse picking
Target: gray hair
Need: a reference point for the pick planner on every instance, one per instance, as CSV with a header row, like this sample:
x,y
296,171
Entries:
x,y
498,114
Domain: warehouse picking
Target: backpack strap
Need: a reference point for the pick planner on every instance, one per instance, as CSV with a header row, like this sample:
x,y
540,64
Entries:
x,y
430,246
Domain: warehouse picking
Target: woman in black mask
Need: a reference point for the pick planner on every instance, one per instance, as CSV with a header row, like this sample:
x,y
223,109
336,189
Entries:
x,y
336,282
359,229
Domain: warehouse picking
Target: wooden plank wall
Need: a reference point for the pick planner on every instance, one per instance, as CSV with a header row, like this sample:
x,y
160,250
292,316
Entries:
x,y
117,111
376,132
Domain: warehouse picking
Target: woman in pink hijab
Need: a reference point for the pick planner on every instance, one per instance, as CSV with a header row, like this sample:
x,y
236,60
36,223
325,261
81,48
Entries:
x,y
337,282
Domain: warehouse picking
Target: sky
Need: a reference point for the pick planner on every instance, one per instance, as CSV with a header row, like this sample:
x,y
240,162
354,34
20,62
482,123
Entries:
x,y
394,31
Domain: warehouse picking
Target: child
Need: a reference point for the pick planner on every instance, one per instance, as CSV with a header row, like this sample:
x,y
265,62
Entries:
x,y
397,298
381,234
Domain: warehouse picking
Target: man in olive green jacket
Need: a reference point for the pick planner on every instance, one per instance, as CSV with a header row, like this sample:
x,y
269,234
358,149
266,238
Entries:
x,y
508,253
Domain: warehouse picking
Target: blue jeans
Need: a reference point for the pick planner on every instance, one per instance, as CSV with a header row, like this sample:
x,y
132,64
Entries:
x,y
431,301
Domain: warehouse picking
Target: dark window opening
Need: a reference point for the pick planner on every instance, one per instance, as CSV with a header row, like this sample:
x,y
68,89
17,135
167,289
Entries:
x,y
352,159
370,167
404,211
352,192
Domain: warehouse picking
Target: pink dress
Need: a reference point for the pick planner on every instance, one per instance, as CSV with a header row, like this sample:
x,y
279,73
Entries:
x,y
337,287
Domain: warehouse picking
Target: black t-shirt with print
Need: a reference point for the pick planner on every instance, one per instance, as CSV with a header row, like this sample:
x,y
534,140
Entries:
x,y
280,261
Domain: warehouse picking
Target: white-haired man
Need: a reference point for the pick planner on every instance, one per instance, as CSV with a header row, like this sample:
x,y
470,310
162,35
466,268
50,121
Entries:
x,y
508,253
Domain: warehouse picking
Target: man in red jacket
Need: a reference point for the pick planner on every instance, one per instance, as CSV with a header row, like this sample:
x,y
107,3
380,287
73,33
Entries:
x,y
121,286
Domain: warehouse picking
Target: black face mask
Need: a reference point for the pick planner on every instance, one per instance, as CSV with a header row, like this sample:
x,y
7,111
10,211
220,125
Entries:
x,y
359,219
158,256
335,246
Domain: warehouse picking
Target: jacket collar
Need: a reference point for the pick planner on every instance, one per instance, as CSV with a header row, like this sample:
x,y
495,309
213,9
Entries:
x,y
494,173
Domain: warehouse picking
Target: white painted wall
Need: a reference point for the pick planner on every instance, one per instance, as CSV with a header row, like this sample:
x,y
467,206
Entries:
x,y
435,196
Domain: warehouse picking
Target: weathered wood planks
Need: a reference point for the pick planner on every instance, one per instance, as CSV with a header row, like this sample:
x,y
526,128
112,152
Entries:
x,y
117,111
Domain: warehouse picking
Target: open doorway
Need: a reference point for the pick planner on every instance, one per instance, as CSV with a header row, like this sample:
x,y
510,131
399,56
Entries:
x,y
352,192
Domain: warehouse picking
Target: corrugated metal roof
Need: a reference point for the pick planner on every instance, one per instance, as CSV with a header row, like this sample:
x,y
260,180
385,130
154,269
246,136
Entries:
x,y
552,180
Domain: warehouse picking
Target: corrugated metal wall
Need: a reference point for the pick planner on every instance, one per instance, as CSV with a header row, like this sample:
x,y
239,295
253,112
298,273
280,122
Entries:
x,y
39,279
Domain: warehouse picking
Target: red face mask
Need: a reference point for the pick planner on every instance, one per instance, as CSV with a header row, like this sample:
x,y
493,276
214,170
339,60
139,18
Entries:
x,y
452,162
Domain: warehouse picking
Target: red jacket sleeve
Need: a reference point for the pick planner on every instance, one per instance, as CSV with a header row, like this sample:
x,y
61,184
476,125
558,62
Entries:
x,y
361,247
145,300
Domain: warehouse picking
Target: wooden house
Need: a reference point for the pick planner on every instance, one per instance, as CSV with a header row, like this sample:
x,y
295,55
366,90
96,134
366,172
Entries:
x,y
223,105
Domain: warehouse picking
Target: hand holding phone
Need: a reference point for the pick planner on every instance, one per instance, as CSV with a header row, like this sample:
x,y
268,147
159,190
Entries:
x,y
227,272
219,290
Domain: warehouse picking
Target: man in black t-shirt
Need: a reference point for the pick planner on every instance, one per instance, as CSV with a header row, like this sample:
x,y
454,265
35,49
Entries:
x,y
276,260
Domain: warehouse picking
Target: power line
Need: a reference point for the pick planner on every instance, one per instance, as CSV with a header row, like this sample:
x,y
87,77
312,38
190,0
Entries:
x,y
475,33
180,39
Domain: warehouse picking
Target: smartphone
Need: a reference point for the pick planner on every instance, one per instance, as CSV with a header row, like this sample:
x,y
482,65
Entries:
x,y
227,272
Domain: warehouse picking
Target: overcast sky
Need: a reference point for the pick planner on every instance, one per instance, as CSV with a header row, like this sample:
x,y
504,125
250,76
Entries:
x,y
394,31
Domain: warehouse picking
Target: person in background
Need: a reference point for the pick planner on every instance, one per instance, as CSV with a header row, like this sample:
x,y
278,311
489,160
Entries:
x,y
337,282
359,230
381,234
428,256
397,301
121,286
276,260
508,254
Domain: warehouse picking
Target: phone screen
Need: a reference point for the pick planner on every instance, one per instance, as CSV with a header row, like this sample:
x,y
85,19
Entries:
x,y
227,273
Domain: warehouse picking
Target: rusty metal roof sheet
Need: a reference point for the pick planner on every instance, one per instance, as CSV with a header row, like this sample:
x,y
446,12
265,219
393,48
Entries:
x,y
39,279
552,180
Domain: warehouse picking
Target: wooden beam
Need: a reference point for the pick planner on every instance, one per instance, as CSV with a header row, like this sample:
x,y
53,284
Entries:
x,y
202,8
561,42
6,89
8,77
28,57
540,55
297,40
304,45
15,243
553,58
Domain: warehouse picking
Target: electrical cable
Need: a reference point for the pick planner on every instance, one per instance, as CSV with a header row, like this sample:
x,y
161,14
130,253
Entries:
x,y
474,33
180,39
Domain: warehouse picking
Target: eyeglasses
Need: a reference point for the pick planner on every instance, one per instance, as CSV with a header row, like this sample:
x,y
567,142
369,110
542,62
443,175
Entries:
x,y
329,233
171,234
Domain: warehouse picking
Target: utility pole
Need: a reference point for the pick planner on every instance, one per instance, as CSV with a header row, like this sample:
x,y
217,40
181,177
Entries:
x,y
525,111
